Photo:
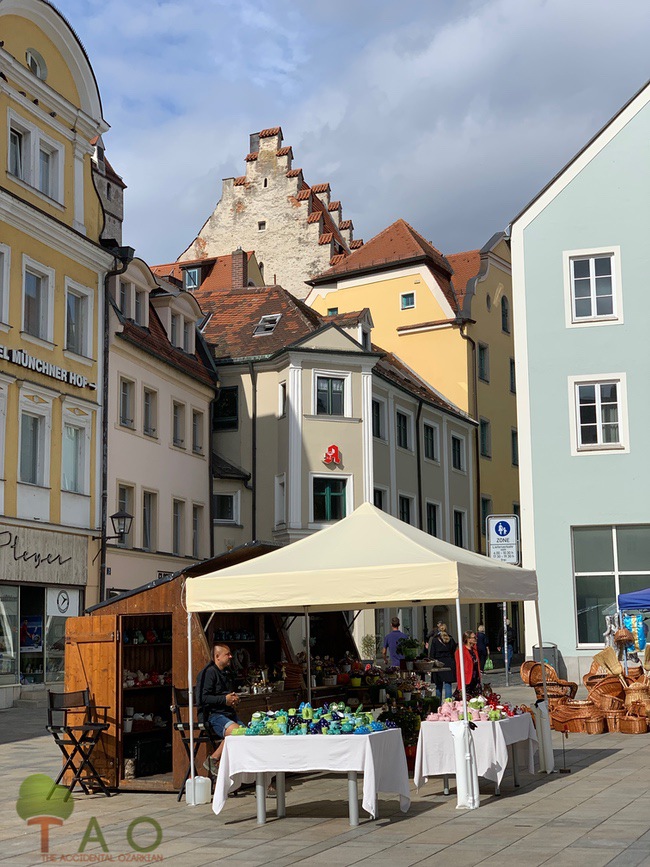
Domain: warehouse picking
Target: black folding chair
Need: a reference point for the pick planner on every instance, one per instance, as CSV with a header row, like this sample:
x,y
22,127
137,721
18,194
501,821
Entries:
x,y
203,734
72,722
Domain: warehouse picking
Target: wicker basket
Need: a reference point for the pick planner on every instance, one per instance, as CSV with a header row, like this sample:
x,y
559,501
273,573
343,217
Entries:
x,y
577,709
524,671
639,691
633,725
613,718
608,694
623,637
595,725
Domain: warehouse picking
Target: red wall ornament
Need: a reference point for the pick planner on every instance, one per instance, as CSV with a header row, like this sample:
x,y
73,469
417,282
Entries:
x,y
332,455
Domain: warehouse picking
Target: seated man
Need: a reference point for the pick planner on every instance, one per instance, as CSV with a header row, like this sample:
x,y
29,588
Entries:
x,y
217,700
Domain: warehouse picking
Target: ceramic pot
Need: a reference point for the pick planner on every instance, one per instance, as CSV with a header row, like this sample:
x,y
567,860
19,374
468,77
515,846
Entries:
x,y
483,717
355,681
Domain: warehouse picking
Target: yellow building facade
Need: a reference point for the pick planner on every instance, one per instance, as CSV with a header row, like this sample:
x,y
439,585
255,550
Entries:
x,y
52,270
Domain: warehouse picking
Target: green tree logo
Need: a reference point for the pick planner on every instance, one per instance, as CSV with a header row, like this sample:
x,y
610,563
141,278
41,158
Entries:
x,y
42,802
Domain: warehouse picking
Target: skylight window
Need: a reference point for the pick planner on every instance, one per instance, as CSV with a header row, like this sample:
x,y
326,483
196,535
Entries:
x,y
266,325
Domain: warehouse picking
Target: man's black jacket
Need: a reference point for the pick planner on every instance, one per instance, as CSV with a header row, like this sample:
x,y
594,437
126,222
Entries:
x,y
212,687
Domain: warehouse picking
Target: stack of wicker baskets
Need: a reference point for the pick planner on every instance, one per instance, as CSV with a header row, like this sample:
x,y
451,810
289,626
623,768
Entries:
x,y
579,717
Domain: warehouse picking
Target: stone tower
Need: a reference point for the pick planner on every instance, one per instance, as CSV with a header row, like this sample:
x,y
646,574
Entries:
x,y
110,188
296,230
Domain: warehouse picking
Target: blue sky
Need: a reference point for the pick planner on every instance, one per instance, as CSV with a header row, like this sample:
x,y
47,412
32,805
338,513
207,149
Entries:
x,y
449,113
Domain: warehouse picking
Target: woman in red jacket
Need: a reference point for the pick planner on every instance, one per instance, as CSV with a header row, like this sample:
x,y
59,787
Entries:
x,y
471,665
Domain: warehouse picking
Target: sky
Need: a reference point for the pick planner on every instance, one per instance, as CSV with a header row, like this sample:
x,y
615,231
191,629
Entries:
x,y
451,114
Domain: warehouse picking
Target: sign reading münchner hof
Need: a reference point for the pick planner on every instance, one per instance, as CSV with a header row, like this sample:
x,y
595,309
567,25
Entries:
x,y
41,556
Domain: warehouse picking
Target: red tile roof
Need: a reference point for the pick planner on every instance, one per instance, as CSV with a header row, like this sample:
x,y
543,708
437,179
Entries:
x,y
303,195
326,238
334,206
357,244
345,224
352,318
252,157
315,217
240,181
283,152
236,313
466,266
338,258
397,244
154,341
294,173
271,131
216,272
320,188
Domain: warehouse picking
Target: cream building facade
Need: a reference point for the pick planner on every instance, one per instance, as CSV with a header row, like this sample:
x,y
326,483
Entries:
x,y
52,270
162,385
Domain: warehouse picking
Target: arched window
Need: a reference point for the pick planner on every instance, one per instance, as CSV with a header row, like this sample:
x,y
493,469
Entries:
x,y
505,315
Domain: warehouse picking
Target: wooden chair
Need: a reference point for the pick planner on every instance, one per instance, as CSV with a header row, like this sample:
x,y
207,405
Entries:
x,y
202,732
72,722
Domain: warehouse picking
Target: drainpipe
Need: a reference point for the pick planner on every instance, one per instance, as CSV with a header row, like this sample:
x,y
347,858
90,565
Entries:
x,y
477,455
418,454
123,255
253,487
213,404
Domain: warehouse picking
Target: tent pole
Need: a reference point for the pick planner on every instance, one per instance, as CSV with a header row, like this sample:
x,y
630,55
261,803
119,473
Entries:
x,y
308,642
463,687
541,650
190,693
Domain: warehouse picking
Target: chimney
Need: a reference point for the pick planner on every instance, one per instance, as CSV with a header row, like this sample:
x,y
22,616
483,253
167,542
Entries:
x,y
239,269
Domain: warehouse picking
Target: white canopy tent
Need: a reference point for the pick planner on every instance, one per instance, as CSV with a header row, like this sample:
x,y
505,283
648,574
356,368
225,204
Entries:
x,y
369,559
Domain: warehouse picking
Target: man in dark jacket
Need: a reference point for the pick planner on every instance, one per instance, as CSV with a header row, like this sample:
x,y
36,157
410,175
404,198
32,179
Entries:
x,y
217,700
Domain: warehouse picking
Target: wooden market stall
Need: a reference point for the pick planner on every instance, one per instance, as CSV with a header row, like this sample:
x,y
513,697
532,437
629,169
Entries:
x,y
129,652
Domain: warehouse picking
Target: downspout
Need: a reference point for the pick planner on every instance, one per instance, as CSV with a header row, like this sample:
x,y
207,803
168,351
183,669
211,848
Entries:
x,y
253,487
418,453
123,255
477,455
213,404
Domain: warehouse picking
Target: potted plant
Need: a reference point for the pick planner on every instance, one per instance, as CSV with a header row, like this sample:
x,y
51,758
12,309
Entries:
x,y
370,647
409,647
408,721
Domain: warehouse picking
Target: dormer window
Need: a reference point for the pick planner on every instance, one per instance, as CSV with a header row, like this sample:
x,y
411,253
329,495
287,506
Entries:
x,y
365,340
266,325
175,329
191,278
36,63
140,306
187,336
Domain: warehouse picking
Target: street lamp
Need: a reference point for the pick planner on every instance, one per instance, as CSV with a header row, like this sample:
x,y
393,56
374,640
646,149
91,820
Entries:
x,y
121,522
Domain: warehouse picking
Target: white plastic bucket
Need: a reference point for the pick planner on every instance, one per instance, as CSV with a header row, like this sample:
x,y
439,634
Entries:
x,y
198,791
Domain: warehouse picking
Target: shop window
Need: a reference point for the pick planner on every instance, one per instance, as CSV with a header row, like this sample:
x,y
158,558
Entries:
x,y
329,499
32,613
9,646
226,410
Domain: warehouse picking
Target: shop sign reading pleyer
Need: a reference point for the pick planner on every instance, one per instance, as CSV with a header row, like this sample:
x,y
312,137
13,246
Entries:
x,y
24,359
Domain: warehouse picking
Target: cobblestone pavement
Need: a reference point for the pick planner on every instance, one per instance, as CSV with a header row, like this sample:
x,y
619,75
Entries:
x,y
596,815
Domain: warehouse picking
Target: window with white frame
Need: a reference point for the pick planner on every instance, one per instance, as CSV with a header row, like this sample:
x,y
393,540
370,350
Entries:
x,y
38,300
282,399
593,287
191,279
175,329
607,560
402,430
124,298
459,528
36,64
178,424
329,498
379,498
78,319
32,449
405,508
187,335
73,459
150,412
598,414
483,362
197,530
505,315
266,325
485,438
127,402
197,432
431,442
5,262
226,508
280,500
140,307
330,397
149,520
178,527
433,519
407,300
458,453
35,159
379,419
125,500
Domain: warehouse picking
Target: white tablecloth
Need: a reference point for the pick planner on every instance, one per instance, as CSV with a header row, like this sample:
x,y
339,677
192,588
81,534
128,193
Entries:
x,y
378,756
435,754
